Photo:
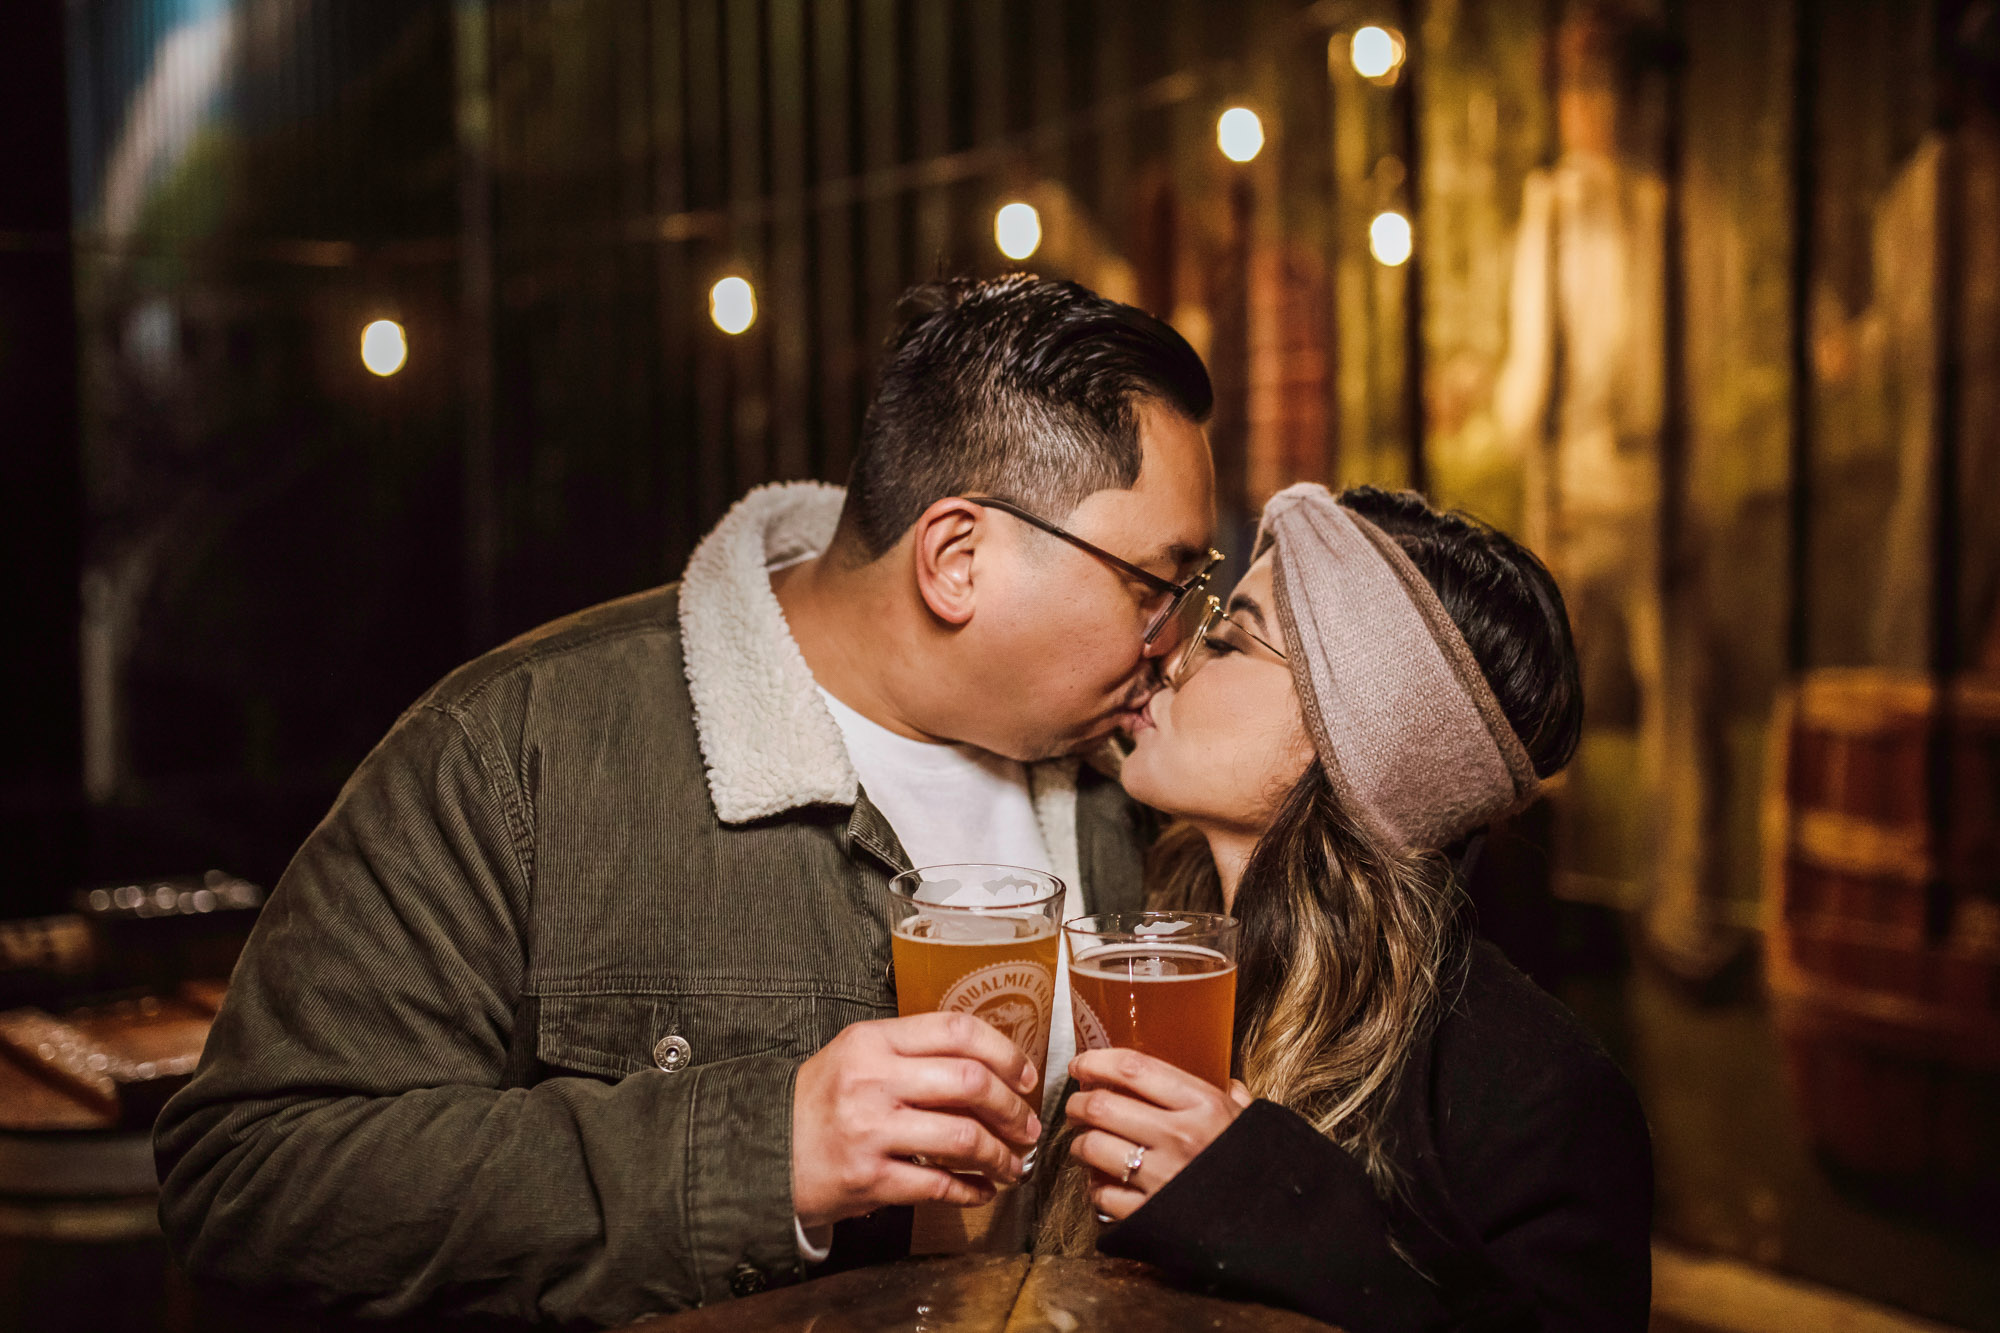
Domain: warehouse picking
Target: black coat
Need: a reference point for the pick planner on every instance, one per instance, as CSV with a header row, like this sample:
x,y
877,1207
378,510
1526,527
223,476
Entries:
x,y
1525,1203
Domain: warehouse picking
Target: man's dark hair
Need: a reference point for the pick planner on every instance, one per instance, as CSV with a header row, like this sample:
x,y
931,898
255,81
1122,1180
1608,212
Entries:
x,y
1015,387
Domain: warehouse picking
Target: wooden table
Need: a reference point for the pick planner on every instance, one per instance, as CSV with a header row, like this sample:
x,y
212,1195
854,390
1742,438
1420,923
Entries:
x,y
990,1293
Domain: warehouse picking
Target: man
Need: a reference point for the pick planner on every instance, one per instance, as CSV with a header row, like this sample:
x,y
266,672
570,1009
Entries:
x,y
573,1007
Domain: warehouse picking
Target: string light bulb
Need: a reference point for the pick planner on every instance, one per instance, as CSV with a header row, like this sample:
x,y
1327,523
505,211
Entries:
x,y
732,304
1376,52
1017,230
384,348
1239,134
1389,239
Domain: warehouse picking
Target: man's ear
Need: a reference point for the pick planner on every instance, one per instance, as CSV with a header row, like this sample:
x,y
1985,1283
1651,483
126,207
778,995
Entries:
x,y
944,541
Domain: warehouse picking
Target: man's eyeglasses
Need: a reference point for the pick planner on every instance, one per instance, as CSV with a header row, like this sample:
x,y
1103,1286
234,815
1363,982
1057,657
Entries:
x,y
1216,636
1179,595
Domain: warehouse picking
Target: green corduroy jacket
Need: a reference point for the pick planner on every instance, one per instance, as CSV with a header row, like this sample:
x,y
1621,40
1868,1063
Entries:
x,y
518,1029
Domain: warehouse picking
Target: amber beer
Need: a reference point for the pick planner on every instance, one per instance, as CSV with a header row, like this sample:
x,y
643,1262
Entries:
x,y
1159,982
981,940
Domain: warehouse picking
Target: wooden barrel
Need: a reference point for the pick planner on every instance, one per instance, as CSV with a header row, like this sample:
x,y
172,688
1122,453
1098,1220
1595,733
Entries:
x,y
1883,939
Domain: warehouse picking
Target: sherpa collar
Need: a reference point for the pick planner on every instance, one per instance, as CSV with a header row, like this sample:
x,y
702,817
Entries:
x,y
767,741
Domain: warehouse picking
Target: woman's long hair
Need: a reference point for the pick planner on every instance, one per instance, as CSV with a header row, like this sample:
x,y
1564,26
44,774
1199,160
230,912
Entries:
x,y
1346,949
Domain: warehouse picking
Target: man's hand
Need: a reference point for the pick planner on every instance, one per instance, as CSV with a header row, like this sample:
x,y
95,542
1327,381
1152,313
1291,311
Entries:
x,y
1131,1101
944,1088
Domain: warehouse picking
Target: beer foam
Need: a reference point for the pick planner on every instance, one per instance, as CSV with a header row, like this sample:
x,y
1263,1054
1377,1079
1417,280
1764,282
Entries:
x,y
1152,962
971,929
1008,892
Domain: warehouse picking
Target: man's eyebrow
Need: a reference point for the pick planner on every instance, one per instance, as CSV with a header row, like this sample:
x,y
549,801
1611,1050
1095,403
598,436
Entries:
x,y
1180,555
1244,602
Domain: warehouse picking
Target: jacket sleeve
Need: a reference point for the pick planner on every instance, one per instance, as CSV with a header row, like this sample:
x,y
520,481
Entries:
x,y
356,1136
1274,1211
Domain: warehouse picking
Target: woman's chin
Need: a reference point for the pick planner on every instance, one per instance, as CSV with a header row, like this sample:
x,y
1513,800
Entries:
x,y
1145,776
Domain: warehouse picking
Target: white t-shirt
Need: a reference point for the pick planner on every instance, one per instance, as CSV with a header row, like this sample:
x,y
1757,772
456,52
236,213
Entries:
x,y
951,803
958,803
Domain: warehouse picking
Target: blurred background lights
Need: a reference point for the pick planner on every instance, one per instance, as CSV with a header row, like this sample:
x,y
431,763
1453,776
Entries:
x,y
384,349
1017,230
732,304
1240,134
1376,52
1389,238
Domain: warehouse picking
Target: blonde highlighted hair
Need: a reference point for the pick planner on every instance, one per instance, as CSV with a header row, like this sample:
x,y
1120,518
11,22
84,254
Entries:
x,y
1340,973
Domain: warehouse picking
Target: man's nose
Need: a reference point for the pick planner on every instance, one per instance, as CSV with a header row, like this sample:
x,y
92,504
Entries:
x,y
1171,637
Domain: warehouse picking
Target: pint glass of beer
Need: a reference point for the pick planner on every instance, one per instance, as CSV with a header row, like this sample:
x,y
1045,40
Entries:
x,y
1159,982
980,939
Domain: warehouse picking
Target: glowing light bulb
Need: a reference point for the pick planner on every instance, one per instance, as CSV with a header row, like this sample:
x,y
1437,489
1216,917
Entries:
x,y
1389,238
384,349
1239,134
1376,52
1017,230
732,304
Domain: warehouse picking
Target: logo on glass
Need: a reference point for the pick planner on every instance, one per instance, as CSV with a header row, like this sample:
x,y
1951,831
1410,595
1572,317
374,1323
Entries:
x,y
1014,997
1090,1033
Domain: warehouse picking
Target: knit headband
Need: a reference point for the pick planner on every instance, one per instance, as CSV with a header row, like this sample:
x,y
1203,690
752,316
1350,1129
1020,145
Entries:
x,y
1401,716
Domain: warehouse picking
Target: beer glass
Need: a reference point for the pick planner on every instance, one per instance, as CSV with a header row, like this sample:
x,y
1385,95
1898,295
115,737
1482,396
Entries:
x,y
1159,982
981,940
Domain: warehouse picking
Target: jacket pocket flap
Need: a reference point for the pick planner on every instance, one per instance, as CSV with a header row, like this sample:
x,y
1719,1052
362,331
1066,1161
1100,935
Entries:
x,y
614,1035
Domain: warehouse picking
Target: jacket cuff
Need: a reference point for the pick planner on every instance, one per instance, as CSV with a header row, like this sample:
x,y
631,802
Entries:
x,y
1276,1211
743,1232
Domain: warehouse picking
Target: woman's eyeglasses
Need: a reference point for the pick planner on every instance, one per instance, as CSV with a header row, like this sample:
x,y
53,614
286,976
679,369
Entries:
x,y
1216,636
1180,596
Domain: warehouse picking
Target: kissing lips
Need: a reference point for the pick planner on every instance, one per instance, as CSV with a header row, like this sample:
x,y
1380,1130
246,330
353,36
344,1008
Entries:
x,y
1133,721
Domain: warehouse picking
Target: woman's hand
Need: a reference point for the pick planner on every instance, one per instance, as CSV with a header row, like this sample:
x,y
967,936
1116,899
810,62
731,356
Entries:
x,y
1131,1101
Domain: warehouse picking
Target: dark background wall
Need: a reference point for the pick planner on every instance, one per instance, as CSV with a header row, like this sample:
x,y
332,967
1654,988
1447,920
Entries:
x,y
41,474
234,555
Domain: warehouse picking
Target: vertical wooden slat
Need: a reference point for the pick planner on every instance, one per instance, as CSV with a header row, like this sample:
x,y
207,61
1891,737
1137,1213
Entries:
x,y
1115,41
675,309
715,471
630,301
986,29
749,353
931,56
789,308
1330,204
1677,584
1947,633
1051,86
986,23
1804,153
1686,832
42,491
1410,131
834,286
472,51
881,148
1947,553
1229,365
1356,278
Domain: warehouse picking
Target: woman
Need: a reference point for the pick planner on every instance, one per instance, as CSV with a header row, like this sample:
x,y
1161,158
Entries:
x,y
1421,1139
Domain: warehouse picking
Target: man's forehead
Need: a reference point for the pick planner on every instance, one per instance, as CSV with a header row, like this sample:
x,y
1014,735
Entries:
x,y
1166,517
1176,481
1160,526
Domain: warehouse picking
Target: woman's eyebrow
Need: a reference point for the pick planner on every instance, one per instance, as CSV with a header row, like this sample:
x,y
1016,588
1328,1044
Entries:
x,y
1244,602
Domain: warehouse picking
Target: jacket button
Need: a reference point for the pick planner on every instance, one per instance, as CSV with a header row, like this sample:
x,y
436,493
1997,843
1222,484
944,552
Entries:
x,y
672,1053
746,1279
